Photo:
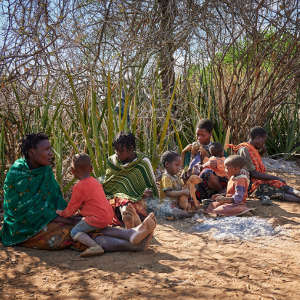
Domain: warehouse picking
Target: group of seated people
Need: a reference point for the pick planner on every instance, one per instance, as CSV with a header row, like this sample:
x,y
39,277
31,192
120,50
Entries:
x,y
221,184
37,216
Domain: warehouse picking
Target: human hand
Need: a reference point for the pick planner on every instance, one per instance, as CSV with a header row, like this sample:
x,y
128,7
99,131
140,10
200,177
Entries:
x,y
58,212
213,163
204,153
215,196
147,193
220,198
197,169
262,150
186,192
281,179
187,148
245,172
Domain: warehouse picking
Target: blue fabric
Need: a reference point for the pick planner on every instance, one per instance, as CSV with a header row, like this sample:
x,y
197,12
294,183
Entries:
x,y
239,194
196,160
82,226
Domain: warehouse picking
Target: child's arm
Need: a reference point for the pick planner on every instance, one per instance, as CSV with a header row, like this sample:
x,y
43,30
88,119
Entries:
x,y
204,154
239,193
222,199
215,196
264,176
191,183
212,163
176,194
74,204
187,148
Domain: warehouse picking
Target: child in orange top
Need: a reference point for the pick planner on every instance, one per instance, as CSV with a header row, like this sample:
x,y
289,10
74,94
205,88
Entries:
x,y
233,203
88,197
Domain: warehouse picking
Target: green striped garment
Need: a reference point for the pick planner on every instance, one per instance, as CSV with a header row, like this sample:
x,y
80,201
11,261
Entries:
x,y
129,180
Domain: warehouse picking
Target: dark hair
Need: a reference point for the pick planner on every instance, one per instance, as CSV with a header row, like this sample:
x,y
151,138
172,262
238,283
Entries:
x,y
81,159
168,157
216,149
235,161
205,124
257,131
124,140
31,141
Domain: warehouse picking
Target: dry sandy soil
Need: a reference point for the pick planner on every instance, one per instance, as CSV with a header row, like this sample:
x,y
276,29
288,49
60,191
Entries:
x,y
179,264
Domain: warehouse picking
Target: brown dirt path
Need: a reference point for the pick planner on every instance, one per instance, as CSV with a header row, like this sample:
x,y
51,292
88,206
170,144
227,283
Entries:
x,y
179,264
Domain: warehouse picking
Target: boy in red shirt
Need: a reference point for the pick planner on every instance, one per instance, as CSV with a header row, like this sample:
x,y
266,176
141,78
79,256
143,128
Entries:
x,y
89,199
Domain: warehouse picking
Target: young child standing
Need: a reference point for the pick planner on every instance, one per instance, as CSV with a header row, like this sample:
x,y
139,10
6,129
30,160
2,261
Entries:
x,y
171,185
88,197
233,203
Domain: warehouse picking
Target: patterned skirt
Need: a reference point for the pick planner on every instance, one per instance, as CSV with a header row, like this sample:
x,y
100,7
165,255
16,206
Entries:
x,y
202,190
55,236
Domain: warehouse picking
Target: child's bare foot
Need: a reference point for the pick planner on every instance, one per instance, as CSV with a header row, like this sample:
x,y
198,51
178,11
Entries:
x,y
92,251
143,230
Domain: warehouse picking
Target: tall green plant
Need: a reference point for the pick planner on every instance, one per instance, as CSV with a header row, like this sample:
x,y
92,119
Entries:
x,y
283,129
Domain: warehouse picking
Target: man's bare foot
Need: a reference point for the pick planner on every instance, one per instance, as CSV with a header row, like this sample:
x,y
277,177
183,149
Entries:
x,y
128,219
143,230
135,217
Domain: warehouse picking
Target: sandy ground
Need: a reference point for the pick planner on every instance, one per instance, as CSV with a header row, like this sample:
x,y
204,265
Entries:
x,y
179,264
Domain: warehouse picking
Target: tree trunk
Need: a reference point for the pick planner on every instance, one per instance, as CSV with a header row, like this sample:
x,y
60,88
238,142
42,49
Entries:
x,y
166,59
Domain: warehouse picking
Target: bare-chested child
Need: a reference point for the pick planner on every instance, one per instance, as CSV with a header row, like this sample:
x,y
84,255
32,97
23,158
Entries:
x,y
171,186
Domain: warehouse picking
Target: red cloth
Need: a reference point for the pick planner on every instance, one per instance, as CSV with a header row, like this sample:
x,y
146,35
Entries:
x,y
89,198
259,166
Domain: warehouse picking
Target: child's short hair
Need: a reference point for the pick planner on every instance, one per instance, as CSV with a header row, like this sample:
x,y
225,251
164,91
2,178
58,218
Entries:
x,y
124,140
81,160
205,124
216,149
31,141
235,161
168,157
257,132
